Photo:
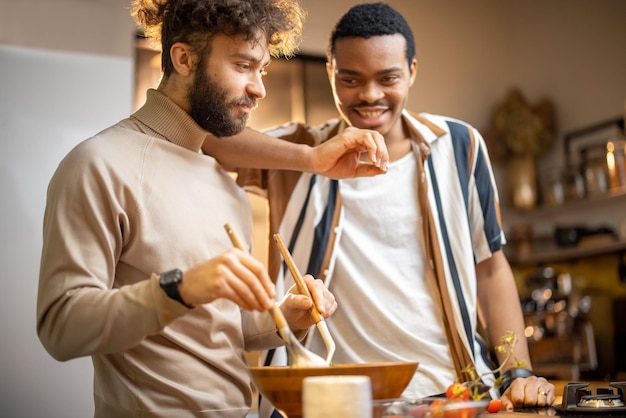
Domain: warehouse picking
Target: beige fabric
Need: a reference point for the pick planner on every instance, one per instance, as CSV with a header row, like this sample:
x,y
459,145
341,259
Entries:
x,y
122,207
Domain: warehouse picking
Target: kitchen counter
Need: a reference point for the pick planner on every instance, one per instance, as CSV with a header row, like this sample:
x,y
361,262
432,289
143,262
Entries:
x,y
549,412
559,385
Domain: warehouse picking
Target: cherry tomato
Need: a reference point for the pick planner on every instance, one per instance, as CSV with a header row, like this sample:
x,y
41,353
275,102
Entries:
x,y
458,391
494,406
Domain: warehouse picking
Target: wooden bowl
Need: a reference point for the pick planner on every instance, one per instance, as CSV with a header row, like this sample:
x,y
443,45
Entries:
x,y
282,385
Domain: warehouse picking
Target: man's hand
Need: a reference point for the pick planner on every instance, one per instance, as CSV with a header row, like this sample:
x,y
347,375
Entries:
x,y
297,307
233,275
353,152
529,391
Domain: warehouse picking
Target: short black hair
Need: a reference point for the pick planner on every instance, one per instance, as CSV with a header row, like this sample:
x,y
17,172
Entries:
x,y
372,19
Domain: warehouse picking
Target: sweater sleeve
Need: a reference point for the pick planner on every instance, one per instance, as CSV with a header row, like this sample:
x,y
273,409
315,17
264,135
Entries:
x,y
80,311
260,331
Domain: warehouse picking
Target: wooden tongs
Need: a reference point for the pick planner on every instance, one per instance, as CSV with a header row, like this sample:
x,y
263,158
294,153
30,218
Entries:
x,y
302,287
298,355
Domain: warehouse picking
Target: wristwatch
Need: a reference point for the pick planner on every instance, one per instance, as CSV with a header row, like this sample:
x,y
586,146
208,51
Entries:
x,y
510,375
170,281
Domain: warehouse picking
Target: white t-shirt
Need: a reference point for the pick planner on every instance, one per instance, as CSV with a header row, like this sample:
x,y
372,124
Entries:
x,y
380,263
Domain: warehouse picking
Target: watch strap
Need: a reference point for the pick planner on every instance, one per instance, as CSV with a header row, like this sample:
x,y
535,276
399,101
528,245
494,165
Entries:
x,y
510,375
170,282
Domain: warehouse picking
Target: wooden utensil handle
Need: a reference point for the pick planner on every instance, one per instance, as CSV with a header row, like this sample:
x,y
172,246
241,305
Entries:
x,y
279,318
277,314
234,238
302,287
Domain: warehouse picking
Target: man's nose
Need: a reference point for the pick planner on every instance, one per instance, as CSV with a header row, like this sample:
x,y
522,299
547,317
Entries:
x,y
256,87
370,92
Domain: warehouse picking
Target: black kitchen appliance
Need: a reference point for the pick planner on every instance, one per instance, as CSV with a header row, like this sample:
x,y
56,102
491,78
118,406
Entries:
x,y
580,402
578,399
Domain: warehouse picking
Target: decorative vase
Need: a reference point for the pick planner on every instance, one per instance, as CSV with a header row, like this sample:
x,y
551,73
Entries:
x,y
522,181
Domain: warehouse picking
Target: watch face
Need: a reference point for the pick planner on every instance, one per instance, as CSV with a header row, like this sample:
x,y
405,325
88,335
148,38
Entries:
x,y
169,282
173,277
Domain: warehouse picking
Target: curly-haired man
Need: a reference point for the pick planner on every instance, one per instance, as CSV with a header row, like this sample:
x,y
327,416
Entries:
x,y
137,270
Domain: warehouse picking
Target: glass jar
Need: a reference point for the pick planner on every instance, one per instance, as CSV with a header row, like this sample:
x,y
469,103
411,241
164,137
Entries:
x,y
553,187
596,173
574,182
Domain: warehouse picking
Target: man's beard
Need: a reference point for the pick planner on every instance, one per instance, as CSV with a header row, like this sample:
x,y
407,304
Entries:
x,y
211,109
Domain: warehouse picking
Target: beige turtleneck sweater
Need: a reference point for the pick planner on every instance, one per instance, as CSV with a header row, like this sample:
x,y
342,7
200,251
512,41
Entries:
x,y
135,200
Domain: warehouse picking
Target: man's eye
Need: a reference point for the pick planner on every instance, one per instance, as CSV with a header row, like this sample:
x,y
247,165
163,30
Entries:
x,y
263,73
390,79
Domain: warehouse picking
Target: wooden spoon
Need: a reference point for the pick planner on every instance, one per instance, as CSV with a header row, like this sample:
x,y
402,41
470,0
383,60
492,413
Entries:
x,y
317,317
298,355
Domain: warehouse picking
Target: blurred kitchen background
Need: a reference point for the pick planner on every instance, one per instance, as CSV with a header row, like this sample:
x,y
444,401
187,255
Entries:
x,y
69,68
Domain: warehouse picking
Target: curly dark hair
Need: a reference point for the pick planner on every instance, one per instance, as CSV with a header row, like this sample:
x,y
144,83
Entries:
x,y
372,19
196,22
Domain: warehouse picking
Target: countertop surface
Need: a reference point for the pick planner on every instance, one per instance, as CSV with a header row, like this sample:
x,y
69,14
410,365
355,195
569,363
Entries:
x,y
550,412
555,410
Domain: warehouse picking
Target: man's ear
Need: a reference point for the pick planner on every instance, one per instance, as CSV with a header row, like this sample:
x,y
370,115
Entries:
x,y
413,71
182,59
330,71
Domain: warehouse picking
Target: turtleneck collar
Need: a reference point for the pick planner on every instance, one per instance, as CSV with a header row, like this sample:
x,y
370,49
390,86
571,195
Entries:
x,y
169,121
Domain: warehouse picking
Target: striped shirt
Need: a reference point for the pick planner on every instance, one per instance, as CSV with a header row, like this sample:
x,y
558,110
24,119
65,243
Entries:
x,y
460,196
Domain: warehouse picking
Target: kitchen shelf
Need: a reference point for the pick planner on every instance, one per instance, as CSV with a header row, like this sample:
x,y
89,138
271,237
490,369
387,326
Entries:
x,y
587,203
553,254
544,250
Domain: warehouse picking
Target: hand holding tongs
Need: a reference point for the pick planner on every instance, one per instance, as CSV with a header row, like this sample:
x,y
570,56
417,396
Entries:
x,y
302,287
298,355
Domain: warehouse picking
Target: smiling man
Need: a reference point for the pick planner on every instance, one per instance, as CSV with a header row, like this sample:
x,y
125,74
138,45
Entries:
x,y
420,248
